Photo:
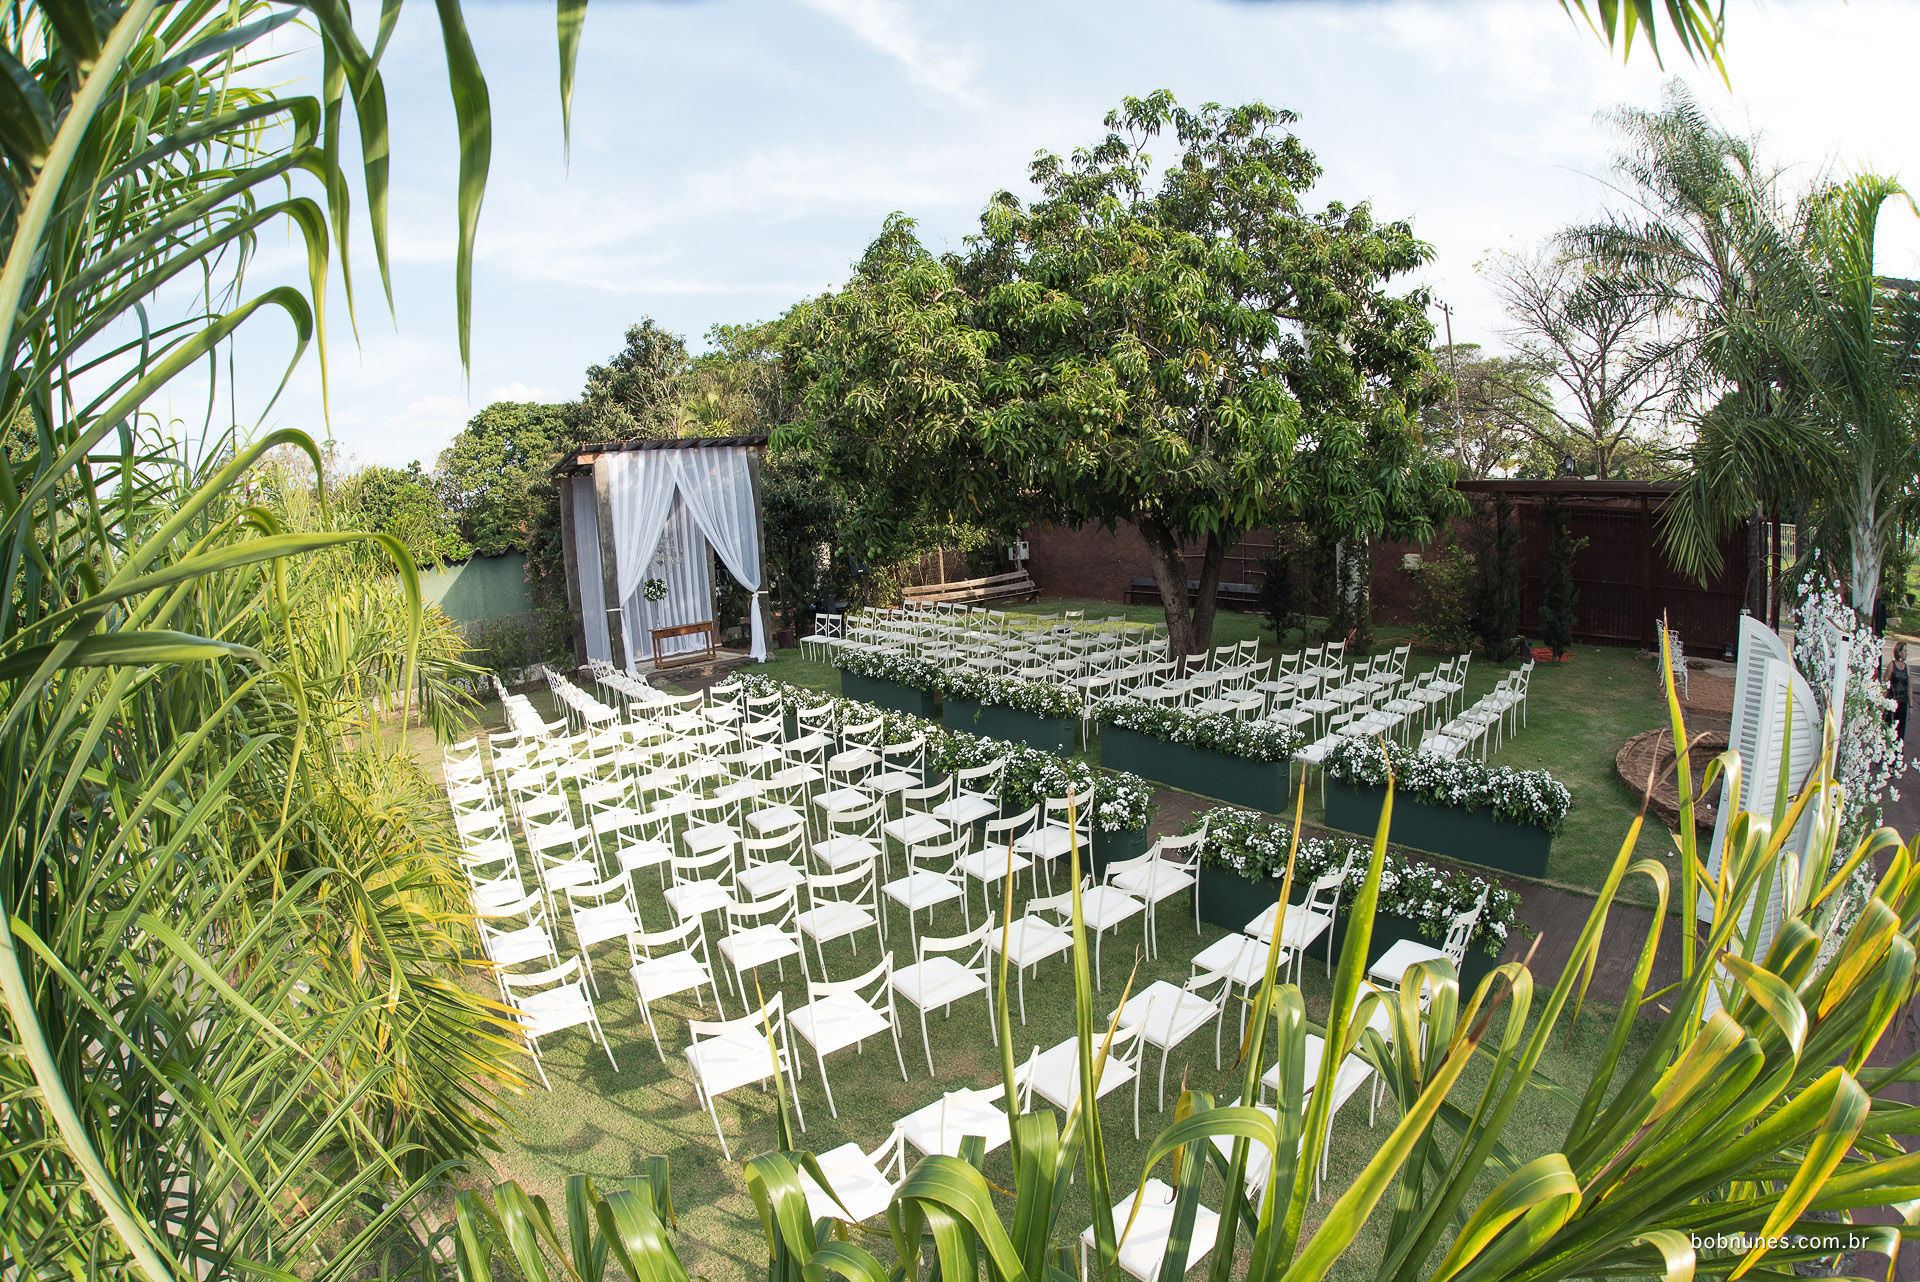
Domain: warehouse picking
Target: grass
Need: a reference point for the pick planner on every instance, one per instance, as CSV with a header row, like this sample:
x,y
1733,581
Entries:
x,y
604,1122
1578,715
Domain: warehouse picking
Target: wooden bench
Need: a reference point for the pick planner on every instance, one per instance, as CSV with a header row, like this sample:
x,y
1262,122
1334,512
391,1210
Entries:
x,y
1017,586
1244,596
691,656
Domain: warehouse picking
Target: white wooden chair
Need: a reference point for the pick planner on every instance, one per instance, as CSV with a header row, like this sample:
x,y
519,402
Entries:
x,y
1148,1231
1166,1016
728,1054
845,1013
762,932
930,881
1173,865
552,1001
839,906
672,962
601,912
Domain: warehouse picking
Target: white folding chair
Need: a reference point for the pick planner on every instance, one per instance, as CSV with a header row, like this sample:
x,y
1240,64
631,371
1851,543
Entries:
x,y
1147,1232
1031,939
1173,865
1167,1016
1054,1074
839,906
604,911
760,932
845,1013
930,881
772,863
670,965
513,934
861,1184
699,885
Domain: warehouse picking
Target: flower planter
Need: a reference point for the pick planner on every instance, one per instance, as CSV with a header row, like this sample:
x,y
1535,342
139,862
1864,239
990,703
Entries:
x,y
1230,901
1261,785
1469,836
889,694
1049,734
1114,847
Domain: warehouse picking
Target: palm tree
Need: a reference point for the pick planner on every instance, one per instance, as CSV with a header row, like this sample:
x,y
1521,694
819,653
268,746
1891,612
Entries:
x,y
1821,360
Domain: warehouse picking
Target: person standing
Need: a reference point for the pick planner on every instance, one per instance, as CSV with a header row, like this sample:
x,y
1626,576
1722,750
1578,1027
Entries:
x,y
1899,688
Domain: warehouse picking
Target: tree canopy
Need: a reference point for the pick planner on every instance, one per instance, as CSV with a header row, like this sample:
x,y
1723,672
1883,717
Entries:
x,y
490,471
1197,356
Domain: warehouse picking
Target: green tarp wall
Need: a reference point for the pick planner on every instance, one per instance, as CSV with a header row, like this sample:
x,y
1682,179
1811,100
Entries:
x,y
485,587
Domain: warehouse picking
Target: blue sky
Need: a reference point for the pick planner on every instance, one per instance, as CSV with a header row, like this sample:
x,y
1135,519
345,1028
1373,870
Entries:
x,y
731,157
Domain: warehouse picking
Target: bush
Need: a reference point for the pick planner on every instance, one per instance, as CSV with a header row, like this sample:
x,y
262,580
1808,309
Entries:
x,y
507,644
1443,590
1497,586
1559,595
1281,601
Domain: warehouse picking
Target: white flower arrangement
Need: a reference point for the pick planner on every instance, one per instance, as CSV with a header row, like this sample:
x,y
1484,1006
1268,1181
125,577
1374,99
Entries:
x,y
887,665
1213,731
1518,796
654,590
1036,697
1870,757
1256,847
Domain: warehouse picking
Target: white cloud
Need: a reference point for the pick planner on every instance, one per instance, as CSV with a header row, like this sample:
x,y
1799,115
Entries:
x,y
892,27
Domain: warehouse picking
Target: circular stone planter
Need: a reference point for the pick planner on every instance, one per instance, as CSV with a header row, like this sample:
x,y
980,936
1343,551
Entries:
x,y
1652,753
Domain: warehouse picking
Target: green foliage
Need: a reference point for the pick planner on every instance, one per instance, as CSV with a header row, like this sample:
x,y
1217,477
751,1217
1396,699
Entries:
x,y
406,504
514,642
1559,596
801,522
1280,600
636,393
1444,588
1135,347
1496,591
490,472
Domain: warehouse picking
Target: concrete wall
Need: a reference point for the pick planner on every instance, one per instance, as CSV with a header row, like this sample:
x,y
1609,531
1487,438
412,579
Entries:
x,y
481,588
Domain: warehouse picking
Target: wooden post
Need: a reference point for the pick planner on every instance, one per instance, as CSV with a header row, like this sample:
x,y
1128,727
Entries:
x,y
570,561
761,602
1647,633
609,564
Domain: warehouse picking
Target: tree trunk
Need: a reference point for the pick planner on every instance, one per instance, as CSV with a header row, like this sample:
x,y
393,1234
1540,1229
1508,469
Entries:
x,y
1350,614
1168,564
1867,556
1207,598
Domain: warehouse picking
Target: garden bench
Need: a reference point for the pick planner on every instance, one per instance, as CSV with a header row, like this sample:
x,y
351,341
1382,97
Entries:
x,y
1016,586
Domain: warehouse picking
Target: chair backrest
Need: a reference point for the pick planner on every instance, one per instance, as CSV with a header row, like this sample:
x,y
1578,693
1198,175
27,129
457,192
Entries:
x,y
859,821
1460,931
1002,832
673,939
770,1017
614,890
975,774
1183,851
947,852
975,939
776,910
879,980
925,798
1056,810
785,846
517,988
865,734
817,718
715,866
510,918
855,885
910,754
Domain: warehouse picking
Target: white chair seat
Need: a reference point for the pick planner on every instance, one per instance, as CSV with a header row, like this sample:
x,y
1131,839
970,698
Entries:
x,y
692,898
843,852
660,977
1319,750
1054,1074
704,839
1046,843
964,809
643,854
937,982
574,872
725,1063
755,947
833,921
1155,881
762,880
991,865
769,818
835,800
864,1193
515,946
740,790
807,743
941,1125
852,759
1170,1014
1103,906
835,1023
1145,1245
548,1012
1029,941
891,781
1391,966
609,921
795,776
1243,957
913,829
922,890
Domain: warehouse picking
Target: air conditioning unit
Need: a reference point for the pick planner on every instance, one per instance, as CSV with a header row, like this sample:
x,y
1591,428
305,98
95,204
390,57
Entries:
x,y
1017,551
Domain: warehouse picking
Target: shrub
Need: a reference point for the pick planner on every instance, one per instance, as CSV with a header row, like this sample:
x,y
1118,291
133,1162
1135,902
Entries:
x,y
514,641
1443,590
1497,586
1559,594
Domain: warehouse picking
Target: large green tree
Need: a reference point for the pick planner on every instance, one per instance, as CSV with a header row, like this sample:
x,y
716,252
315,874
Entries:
x,y
1184,349
405,503
489,473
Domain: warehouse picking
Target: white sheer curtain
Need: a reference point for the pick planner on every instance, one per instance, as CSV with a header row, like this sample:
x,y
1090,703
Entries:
x,y
586,543
640,493
717,487
679,561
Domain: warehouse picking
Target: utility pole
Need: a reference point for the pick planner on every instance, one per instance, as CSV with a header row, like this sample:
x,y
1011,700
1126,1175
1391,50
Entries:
x,y
1459,419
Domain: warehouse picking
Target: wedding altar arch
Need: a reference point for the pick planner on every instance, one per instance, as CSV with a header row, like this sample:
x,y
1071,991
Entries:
x,y
641,524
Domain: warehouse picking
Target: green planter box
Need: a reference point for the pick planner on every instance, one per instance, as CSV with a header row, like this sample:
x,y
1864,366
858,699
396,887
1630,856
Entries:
x,y
1230,901
1261,785
889,694
1469,836
1115,847
1049,734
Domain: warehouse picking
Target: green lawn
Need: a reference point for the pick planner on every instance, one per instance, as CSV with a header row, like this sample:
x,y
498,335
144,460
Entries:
x,y
601,1121
1578,715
